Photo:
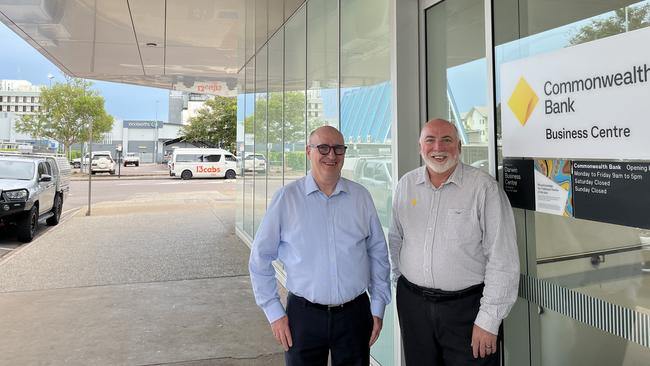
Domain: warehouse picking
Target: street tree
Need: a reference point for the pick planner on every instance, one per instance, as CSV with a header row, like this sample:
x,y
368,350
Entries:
x,y
66,112
216,122
292,128
637,17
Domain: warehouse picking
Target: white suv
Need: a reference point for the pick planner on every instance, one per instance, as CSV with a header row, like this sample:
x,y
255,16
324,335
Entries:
x,y
102,163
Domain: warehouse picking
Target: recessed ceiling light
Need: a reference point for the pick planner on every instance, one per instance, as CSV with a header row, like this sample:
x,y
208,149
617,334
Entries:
x,y
152,44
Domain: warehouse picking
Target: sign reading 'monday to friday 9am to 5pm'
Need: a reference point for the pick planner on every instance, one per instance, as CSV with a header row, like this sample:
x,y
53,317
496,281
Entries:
x,y
605,191
588,101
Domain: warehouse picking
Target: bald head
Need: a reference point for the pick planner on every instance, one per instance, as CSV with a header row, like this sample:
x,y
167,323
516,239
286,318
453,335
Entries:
x,y
326,131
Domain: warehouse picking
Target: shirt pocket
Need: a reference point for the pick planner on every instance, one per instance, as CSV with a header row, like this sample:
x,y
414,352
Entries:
x,y
461,224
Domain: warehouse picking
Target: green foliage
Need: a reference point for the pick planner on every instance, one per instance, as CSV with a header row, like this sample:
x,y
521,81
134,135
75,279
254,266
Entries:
x,y
637,17
75,154
66,113
295,160
216,122
294,117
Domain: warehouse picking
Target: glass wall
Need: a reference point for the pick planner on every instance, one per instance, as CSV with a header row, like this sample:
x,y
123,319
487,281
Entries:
x,y
275,114
241,110
258,161
322,64
249,148
295,83
295,70
593,272
366,117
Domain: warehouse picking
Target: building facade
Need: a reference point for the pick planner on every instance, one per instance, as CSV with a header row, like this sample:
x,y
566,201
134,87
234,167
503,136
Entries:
x,y
18,98
376,69
143,137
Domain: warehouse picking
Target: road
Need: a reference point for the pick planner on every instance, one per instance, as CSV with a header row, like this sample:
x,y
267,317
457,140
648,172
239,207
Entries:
x,y
113,190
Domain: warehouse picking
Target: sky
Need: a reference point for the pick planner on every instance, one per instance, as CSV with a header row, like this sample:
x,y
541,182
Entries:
x,y
122,101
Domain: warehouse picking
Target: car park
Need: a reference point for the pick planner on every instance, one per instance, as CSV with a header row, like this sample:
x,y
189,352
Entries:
x,y
32,188
131,159
188,163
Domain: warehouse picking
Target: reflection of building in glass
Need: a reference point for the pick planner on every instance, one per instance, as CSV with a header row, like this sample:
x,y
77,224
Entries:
x,y
368,112
184,105
475,123
314,104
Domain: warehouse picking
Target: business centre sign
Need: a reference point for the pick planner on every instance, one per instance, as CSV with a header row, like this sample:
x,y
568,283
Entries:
x,y
590,101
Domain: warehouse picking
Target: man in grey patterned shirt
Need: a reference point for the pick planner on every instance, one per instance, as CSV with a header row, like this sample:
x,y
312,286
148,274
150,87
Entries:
x,y
453,249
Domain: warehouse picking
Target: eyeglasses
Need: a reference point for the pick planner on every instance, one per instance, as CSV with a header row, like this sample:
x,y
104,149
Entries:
x,y
324,149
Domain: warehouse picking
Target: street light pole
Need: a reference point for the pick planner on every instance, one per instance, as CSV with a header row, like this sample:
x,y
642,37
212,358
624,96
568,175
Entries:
x,y
90,156
155,157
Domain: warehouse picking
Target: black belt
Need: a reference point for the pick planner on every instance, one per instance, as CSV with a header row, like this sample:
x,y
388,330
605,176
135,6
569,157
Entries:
x,y
332,308
441,295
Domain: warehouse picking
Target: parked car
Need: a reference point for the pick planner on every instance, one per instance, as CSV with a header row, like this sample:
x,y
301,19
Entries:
x,y
102,163
131,159
375,174
75,163
78,162
256,162
32,188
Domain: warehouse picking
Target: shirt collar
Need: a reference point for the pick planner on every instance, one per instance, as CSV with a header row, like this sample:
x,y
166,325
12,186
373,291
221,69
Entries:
x,y
456,177
311,186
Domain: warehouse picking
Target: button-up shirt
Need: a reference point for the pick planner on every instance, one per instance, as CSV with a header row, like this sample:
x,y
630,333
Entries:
x,y
456,236
332,247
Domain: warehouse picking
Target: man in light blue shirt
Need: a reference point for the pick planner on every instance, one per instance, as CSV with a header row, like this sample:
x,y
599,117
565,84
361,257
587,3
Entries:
x,y
326,232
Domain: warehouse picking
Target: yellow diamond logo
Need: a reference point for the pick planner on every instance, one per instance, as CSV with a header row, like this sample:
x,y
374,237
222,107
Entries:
x,y
523,101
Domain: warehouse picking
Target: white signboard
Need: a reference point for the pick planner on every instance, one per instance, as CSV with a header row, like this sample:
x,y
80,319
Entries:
x,y
590,101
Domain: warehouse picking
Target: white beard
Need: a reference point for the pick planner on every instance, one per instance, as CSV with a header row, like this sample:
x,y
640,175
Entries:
x,y
441,168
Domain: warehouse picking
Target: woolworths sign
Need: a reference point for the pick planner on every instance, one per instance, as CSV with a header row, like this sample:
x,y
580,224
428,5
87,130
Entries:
x,y
590,101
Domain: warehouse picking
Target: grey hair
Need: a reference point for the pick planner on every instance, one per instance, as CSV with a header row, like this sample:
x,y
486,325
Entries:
x,y
443,120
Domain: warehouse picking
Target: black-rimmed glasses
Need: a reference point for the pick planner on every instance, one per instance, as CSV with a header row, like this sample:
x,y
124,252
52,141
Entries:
x,y
324,149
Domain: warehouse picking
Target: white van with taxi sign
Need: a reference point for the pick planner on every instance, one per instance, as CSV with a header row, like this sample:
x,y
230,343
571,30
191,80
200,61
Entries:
x,y
189,163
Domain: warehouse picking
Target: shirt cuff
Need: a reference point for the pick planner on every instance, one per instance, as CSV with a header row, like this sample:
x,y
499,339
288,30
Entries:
x,y
487,322
377,308
274,311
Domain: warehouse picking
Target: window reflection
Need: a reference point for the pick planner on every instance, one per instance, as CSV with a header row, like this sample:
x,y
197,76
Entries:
x,y
294,97
457,74
258,162
366,118
249,139
275,114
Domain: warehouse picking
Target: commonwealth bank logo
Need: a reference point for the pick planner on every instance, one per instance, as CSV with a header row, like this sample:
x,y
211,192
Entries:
x,y
523,100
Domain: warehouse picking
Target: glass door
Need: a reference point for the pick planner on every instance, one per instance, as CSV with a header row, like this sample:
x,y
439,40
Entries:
x,y
586,282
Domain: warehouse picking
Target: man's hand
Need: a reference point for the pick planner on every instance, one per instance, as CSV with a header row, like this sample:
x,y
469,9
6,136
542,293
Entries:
x,y
484,343
377,323
282,333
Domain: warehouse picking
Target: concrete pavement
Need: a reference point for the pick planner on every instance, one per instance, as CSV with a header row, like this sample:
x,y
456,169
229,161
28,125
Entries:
x,y
144,282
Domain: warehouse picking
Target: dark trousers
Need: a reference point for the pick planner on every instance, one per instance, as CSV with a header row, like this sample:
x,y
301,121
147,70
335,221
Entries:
x,y
317,330
438,331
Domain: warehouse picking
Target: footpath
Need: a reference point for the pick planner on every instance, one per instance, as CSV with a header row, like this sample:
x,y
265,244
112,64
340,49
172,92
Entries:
x,y
134,285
